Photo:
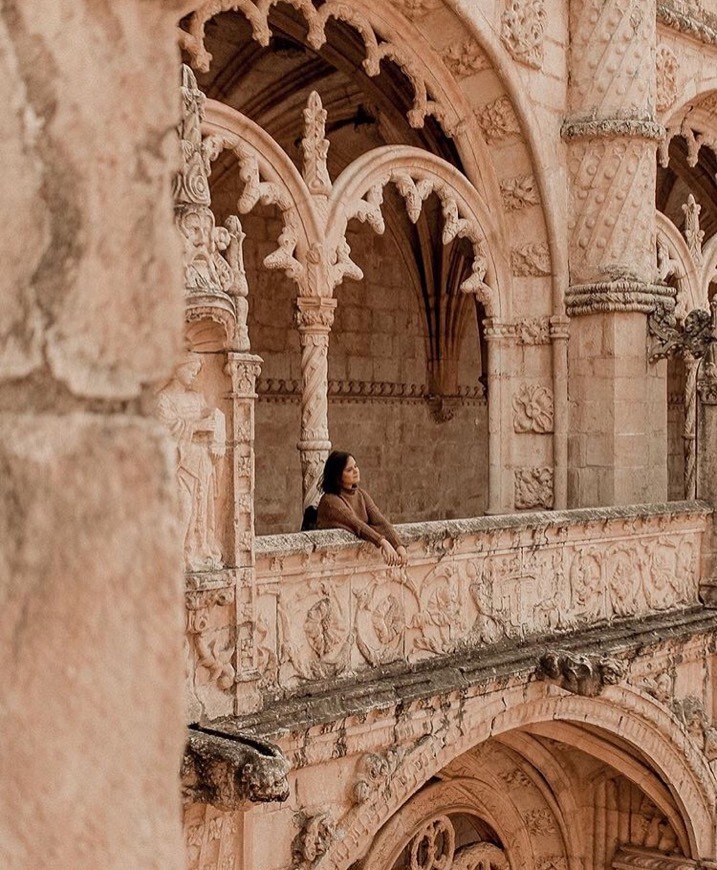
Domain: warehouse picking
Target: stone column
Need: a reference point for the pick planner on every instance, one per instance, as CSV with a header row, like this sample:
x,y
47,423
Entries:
x,y
618,400
90,554
314,318
244,369
497,336
706,458
559,332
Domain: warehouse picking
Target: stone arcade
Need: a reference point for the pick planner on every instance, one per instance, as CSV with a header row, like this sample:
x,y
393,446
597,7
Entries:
x,y
474,241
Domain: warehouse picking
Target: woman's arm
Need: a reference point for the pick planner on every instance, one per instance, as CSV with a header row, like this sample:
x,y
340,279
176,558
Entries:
x,y
379,522
334,513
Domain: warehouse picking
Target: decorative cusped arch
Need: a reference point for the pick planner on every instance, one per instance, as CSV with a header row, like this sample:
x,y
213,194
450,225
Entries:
x,y
625,713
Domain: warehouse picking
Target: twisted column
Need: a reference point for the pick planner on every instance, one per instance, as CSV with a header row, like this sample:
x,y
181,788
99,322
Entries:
x,y
314,318
689,434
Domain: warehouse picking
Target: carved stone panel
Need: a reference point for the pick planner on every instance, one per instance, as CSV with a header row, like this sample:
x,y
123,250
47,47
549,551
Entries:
x,y
523,30
533,488
533,409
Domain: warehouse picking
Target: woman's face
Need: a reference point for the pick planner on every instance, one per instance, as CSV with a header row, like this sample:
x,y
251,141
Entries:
x,y
350,477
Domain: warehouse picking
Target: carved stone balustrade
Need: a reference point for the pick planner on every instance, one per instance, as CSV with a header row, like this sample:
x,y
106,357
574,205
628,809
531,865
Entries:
x,y
328,607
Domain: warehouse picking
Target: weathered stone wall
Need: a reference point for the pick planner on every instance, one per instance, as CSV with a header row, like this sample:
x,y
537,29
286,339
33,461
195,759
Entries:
x,y
90,570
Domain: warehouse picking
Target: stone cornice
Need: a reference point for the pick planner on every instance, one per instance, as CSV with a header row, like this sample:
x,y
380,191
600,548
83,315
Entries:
x,y
612,128
674,14
620,295
389,686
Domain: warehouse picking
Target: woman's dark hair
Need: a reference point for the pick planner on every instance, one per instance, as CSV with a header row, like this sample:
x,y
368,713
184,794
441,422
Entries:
x,y
333,469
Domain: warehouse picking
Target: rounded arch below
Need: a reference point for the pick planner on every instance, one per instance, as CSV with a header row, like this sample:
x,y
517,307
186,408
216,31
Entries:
x,y
627,714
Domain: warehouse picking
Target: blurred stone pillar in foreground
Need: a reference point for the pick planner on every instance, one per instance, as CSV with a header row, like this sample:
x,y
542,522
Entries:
x,y
90,557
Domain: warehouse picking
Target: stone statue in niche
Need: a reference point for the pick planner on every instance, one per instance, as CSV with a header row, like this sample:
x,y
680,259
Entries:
x,y
200,433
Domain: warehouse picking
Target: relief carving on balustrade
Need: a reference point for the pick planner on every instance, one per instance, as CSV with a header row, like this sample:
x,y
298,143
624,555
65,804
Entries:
x,y
336,611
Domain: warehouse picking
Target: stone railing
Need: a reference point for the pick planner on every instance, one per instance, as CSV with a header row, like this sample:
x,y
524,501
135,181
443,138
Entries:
x,y
328,607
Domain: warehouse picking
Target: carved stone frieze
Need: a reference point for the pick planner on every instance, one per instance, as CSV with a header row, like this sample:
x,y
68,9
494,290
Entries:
x,y
227,772
667,68
465,58
531,260
523,30
519,192
498,120
533,488
579,674
533,409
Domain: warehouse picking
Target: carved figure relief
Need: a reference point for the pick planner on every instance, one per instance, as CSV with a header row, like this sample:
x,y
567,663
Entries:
x,y
312,841
533,409
523,31
519,192
200,434
667,68
533,488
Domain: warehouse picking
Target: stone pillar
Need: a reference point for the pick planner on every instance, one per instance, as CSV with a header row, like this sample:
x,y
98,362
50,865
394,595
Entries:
x,y
618,400
244,369
314,318
706,459
497,336
90,557
559,332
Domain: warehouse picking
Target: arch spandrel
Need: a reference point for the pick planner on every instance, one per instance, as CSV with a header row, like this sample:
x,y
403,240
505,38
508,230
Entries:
x,y
626,713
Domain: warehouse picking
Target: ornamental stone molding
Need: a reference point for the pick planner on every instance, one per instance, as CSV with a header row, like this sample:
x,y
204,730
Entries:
x,y
613,128
618,295
689,17
628,858
523,31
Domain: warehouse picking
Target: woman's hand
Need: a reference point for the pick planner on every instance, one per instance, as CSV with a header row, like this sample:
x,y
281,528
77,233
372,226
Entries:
x,y
402,556
390,556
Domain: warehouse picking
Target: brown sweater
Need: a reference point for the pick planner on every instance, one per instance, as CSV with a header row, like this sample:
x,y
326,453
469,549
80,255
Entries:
x,y
356,512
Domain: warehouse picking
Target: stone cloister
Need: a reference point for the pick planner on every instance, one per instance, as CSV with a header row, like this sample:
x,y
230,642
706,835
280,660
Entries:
x,y
471,241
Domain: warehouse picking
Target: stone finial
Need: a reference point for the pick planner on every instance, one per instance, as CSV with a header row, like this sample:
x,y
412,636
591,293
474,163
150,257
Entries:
x,y
315,146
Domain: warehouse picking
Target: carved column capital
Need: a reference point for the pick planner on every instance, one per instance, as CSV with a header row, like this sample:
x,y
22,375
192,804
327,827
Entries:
x,y
243,369
314,315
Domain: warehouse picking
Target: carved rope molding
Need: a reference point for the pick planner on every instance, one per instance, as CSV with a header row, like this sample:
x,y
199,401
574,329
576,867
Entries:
x,y
612,128
682,17
620,295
